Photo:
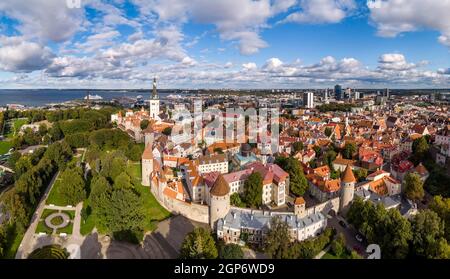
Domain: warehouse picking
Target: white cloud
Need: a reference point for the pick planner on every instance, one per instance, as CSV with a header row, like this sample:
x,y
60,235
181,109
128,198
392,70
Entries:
x,y
44,19
322,11
235,20
249,66
18,55
272,64
393,17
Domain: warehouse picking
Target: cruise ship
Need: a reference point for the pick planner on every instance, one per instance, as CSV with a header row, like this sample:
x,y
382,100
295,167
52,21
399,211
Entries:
x,y
93,97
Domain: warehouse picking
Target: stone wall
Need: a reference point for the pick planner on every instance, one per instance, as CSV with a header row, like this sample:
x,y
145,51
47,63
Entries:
x,y
325,207
195,212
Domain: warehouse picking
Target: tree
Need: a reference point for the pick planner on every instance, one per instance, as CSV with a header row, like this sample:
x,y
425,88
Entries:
x,y
167,131
218,150
278,240
360,174
442,207
13,159
55,132
144,124
298,184
329,157
122,213
338,245
78,140
100,192
60,153
428,235
72,188
134,152
318,150
43,130
16,206
123,181
297,146
231,252
414,187
349,149
235,200
22,166
328,131
420,147
387,228
253,190
199,244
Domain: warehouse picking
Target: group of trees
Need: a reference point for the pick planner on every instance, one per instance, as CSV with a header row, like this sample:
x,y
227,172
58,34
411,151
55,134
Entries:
x,y
350,148
113,199
200,244
72,189
414,187
253,190
335,107
423,236
36,171
298,184
64,123
278,243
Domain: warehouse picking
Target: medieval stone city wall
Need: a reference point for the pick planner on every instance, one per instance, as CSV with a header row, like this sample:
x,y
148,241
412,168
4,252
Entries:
x,y
324,207
195,212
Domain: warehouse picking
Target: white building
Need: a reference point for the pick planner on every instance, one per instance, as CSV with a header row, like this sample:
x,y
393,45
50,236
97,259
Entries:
x,y
252,226
308,100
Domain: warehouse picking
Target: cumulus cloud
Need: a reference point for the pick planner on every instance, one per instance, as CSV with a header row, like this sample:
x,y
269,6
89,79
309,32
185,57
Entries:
x,y
44,19
321,11
18,55
249,66
393,17
235,20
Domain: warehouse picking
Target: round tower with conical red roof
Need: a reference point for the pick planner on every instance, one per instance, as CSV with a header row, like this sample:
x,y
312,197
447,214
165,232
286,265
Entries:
x,y
219,200
348,182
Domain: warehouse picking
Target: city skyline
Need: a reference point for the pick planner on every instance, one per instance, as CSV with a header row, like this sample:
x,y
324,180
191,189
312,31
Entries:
x,y
225,44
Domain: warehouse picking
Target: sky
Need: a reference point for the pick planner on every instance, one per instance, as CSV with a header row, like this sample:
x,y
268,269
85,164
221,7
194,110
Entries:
x,y
239,44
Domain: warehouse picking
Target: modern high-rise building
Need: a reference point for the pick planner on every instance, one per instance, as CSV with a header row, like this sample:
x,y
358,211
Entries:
x,y
308,100
387,93
326,96
357,95
338,93
348,93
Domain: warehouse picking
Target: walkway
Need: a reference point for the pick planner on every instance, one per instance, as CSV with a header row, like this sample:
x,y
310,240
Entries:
x,y
27,240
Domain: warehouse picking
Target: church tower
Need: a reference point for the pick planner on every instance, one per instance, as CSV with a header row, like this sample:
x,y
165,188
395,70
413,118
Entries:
x,y
154,102
348,182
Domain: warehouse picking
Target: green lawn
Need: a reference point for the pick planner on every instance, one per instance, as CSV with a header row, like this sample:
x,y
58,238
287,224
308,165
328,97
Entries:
x,y
154,211
67,230
135,170
42,228
16,125
5,146
54,197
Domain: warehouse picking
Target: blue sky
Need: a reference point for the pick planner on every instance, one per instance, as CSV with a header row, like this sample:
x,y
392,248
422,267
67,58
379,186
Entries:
x,y
225,43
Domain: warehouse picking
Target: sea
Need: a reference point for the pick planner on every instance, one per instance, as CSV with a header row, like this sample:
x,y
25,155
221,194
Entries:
x,y
44,97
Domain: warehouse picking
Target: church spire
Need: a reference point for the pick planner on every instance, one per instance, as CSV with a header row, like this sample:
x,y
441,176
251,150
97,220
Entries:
x,y
155,92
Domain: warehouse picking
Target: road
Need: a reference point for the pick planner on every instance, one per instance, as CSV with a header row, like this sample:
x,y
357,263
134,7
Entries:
x,y
28,237
349,234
